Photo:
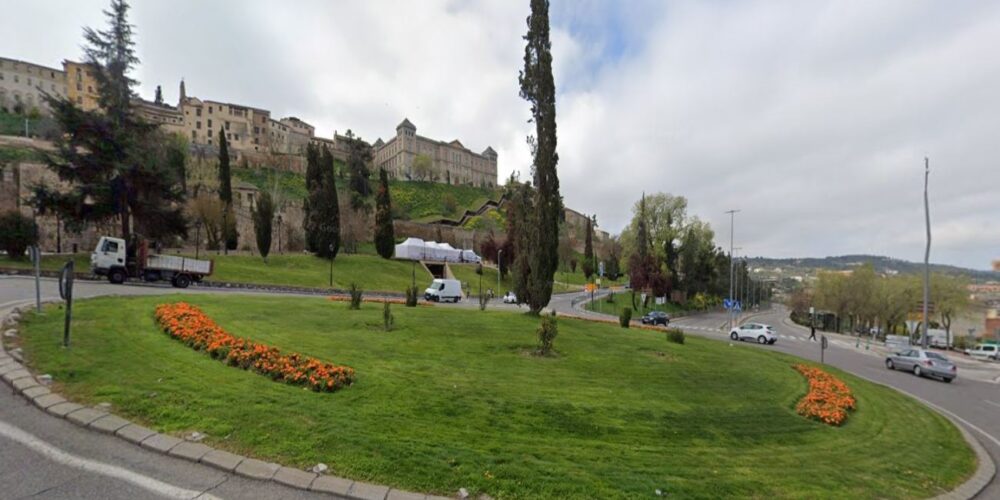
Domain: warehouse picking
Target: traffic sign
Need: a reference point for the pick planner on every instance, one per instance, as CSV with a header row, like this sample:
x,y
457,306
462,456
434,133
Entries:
x,y
727,303
911,326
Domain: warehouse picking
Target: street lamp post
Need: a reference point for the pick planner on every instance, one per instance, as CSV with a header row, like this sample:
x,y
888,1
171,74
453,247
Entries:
x,y
278,216
499,257
732,232
197,238
331,265
927,251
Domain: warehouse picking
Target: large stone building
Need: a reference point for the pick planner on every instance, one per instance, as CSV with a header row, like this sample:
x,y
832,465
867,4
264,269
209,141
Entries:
x,y
81,85
23,85
450,162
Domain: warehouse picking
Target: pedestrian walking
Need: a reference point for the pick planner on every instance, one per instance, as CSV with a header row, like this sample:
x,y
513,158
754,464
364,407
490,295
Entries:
x,y
812,333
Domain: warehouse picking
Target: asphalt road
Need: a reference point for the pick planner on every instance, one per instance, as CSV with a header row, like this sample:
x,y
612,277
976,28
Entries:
x,y
45,457
974,403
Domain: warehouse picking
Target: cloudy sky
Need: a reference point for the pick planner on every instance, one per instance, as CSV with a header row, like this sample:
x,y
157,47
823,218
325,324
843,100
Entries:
x,y
812,117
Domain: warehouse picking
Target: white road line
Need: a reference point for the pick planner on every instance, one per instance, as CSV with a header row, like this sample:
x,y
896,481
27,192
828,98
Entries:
x,y
56,455
991,402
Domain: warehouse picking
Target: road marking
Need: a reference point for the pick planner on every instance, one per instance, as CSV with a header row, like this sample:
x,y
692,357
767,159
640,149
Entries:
x,y
56,455
991,402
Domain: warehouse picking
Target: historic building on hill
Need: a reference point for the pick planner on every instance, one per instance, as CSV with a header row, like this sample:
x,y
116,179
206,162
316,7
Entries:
x,y
450,162
23,85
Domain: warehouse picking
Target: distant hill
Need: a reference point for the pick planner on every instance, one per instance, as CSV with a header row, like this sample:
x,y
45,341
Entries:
x,y
810,265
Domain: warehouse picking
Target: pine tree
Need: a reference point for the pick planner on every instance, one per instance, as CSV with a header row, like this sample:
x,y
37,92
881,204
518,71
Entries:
x,y
325,210
538,88
158,100
115,164
588,251
385,240
263,216
231,235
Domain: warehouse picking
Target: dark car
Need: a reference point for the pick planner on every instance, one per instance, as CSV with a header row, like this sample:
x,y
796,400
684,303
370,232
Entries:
x,y
656,318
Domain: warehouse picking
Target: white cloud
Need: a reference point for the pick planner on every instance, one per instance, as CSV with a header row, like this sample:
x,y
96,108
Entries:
x,y
812,117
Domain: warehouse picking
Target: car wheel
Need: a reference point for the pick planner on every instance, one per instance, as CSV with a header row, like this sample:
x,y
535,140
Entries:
x,y
947,380
182,281
116,276
889,364
762,340
916,371
734,336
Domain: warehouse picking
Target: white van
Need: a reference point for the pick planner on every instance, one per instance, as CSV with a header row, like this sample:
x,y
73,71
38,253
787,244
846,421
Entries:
x,y
444,291
984,351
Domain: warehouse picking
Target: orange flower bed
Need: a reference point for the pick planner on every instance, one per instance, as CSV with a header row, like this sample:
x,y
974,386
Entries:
x,y
828,399
190,325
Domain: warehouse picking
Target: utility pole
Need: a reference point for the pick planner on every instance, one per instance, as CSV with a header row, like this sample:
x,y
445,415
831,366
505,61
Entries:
x,y
732,232
927,251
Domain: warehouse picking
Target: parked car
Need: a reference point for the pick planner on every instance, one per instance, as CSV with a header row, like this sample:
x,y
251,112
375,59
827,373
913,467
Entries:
x,y
656,318
509,298
985,351
763,334
443,291
922,363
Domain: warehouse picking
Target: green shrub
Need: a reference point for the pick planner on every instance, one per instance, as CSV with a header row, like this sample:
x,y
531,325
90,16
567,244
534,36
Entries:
x,y
625,317
387,319
17,233
547,331
356,294
411,296
675,335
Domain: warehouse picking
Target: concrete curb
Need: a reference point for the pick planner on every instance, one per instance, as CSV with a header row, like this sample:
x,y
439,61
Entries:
x,y
986,469
22,382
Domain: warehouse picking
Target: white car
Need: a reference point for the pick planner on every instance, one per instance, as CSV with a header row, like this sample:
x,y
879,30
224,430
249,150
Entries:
x,y
762,334
509,298
985,351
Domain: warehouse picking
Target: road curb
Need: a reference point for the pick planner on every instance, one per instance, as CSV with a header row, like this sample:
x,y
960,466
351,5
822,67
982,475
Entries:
x,y
172,446
986,469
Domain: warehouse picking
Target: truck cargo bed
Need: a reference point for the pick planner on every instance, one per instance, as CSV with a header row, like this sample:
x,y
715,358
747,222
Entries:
x,y
177,263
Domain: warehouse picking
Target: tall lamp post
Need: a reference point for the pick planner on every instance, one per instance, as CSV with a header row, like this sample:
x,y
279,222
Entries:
x,y
278,217
499,257
331,265
927,251
197,238
732,232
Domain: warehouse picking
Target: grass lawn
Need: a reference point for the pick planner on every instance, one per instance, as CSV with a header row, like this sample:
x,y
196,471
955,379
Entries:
x,y
371,272
368,271
466,273
452,399
424,201
81,262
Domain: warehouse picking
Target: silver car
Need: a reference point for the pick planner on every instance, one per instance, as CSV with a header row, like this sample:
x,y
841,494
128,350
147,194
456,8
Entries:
x,y
921,363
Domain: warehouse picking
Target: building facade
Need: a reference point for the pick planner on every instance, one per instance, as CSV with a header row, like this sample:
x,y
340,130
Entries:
x,y
450,162
81,85
23,86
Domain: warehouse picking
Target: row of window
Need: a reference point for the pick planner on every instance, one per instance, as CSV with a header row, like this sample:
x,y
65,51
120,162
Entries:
x,y
28,68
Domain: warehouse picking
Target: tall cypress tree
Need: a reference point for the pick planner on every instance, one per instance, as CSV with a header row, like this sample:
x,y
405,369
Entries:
x,y
588,250
114,162
263,218
385,240
313,179
358,156
158,100
325,210
520,224
538,88
231,235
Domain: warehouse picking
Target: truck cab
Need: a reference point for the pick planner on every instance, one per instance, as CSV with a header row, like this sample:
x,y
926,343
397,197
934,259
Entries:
x,y
109,259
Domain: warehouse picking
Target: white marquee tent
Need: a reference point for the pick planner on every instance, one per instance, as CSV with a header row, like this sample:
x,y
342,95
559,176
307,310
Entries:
x,y
418,249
